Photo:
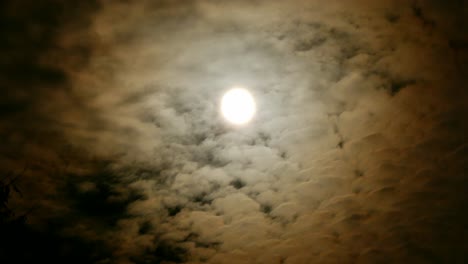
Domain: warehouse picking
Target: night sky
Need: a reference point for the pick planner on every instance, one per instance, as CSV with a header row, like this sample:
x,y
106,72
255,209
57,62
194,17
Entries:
x,y
113,148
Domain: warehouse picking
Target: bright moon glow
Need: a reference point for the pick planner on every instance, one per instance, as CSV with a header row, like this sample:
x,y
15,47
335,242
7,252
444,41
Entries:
x,y
238,106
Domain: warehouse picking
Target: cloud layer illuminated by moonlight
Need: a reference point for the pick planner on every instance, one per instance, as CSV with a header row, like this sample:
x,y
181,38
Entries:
x,y
356,153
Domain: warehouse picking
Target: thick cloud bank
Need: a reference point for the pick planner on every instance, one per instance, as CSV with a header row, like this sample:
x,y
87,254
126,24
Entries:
x,y
357,153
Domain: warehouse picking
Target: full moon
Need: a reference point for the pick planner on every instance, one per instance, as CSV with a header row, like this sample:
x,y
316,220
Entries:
x,y
238,106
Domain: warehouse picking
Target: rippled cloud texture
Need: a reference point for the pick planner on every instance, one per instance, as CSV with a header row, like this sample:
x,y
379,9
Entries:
x,y
357,153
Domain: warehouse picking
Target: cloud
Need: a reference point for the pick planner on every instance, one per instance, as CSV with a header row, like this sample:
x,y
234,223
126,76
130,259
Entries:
x,y
356,153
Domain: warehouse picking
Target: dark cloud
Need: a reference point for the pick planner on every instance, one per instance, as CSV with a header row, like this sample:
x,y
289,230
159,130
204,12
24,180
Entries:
x,y
357,152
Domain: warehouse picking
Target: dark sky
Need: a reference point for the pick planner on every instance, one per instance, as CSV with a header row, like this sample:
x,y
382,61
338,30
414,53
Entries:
x,y
109,116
